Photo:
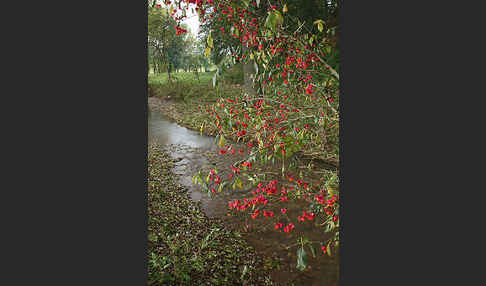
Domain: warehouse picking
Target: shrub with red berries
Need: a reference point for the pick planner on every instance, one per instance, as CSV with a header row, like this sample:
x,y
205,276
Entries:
x,y
292,117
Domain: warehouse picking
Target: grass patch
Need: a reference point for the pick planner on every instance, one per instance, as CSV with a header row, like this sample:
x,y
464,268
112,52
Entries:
x,y
188,102
233,75
162,78
185,247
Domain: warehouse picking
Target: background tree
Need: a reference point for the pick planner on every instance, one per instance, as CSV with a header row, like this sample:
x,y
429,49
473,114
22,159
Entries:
x,y
166,45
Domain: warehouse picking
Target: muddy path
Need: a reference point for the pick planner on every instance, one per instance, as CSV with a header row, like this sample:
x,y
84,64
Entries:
x,y
194,152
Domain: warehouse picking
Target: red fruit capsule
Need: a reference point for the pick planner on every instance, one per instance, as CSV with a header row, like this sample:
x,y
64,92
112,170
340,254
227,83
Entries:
x,y
324,249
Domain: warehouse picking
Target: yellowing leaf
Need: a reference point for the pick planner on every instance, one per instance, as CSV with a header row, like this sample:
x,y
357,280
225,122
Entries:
x,y
207,52
239,183
285,9
222,141
221,186
331,190
320,25
210,41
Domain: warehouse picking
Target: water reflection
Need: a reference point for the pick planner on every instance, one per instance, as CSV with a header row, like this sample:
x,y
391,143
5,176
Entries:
x,y
166,133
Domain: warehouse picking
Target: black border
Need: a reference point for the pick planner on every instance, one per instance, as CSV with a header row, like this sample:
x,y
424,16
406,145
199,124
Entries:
x,y
79,209
342,258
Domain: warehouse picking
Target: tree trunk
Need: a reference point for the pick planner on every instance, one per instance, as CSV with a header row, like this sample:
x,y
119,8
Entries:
x,y
248,71
197,75
169,70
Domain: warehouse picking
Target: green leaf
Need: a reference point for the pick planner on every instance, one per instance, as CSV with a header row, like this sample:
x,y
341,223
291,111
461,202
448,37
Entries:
x,y
197,179
205,241
301,259
329,249
313,251
214,79
264,58
270,21
245,269
152,237
278,18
